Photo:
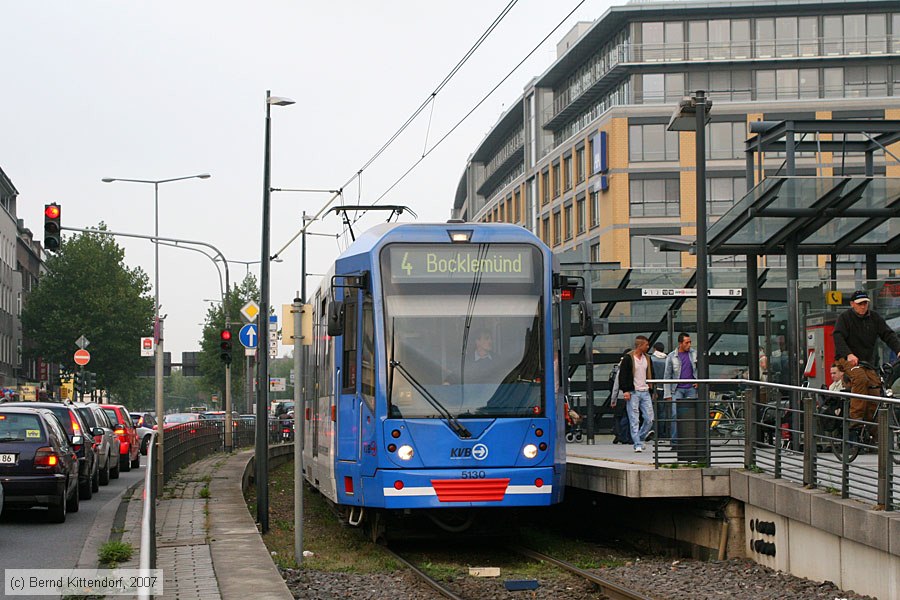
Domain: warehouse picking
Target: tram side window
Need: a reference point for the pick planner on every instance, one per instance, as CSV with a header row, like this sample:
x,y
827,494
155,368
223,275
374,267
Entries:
x,y
327,359
349,339
368,354
322,373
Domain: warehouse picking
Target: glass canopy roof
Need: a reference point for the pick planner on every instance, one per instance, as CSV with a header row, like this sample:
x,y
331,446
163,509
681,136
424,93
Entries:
x,y
823,215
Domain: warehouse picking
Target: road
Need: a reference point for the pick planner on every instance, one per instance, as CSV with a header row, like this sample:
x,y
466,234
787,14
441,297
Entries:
x,y
28,541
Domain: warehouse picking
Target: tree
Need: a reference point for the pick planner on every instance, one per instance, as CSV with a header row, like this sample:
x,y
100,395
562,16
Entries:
x,y
211,366
89,291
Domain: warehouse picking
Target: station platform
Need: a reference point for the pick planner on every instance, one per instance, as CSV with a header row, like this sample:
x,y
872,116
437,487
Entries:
x,y
617,469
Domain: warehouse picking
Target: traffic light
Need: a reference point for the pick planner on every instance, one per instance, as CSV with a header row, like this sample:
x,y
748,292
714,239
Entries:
x,y
52,226
225,346
79,382
90,381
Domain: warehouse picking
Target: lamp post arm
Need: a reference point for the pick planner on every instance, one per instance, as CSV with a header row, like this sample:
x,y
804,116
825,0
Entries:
x,y
165,239
210,257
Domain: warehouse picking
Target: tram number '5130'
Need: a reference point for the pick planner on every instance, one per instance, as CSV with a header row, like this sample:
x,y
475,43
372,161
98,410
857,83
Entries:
x,y
473,475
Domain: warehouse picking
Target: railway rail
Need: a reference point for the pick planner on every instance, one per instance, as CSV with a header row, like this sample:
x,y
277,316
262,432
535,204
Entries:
x,y
609,589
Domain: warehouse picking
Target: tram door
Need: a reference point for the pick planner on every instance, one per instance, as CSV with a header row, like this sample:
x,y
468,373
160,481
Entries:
x,y
349,396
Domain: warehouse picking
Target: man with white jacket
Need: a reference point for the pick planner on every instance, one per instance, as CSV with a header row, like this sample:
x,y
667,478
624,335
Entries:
x,y
681,363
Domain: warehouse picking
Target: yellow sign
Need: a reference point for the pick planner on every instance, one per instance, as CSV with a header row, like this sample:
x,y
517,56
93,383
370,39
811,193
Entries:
x,y
287,323
834,298
28,393
250,310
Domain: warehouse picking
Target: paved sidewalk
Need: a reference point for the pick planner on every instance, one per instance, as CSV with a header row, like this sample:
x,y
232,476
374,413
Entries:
x,y
208,548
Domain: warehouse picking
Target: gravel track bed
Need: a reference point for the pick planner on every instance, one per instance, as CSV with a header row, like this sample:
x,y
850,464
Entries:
x,y
658,578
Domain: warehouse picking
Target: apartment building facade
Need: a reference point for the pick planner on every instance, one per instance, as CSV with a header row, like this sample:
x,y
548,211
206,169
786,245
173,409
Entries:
x,y
584,159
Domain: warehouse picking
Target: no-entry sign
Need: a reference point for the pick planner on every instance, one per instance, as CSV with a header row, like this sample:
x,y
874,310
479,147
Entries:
x,y
82,357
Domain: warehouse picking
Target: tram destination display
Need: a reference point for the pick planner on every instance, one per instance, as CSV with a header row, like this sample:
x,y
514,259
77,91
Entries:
x,y
487,262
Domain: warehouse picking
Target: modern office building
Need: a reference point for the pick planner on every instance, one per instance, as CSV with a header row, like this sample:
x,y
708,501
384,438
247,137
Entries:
x,y
584,159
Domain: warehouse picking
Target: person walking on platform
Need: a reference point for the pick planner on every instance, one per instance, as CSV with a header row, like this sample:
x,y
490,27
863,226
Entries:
x,y
664,423
681,363
855,335
636,369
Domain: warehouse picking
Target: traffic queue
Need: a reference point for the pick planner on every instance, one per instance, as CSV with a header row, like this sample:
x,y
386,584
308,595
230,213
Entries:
x,y
53,455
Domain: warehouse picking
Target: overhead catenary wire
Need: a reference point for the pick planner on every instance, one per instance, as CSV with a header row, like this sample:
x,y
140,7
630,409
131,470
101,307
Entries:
x,y
431,97
477,105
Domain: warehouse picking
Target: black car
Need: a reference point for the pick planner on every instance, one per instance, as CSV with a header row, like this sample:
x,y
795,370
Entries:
x,y
37,464
80,438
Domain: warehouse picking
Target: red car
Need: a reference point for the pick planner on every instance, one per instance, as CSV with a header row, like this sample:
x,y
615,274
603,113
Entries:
x,y
129,445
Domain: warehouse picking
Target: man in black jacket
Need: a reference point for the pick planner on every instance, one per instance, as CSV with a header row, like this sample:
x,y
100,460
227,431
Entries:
x,y
636,370
855,334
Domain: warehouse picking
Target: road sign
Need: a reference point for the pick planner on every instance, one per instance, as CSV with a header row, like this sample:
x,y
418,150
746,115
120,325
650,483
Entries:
x,y
273,336
249,334
82,342
82,357
147,346
250,310
277,384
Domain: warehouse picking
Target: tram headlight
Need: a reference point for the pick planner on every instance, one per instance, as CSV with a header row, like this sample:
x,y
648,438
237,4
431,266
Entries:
x,y
405,452
530,451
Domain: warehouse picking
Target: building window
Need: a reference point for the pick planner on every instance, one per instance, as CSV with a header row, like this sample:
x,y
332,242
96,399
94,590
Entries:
x,y
698,41
517,207
567,212
722,193
652,143
595,209
569,175
645,254
725,140
656,88
579,165
545,230
545,187
556,178
595,252
654,197
557,228
582,218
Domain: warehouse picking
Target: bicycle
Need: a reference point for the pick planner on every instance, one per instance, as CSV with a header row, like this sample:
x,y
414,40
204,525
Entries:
x,y
726,419
863,436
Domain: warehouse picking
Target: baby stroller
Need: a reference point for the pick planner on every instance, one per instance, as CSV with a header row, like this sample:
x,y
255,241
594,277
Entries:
x,y
574,430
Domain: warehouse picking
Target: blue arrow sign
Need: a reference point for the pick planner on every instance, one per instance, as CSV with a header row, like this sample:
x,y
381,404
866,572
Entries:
x,y
248,335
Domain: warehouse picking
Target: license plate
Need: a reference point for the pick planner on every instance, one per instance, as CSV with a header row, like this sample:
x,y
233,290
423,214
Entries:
x,y
7,459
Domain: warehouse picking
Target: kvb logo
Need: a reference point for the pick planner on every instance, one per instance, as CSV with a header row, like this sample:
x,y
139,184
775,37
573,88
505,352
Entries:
x,y
478,452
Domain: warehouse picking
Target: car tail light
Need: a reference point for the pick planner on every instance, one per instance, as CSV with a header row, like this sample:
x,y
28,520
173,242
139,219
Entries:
x,y
76,428
45,458
120,432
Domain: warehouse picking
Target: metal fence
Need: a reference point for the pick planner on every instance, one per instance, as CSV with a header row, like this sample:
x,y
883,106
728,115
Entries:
x,y
796,433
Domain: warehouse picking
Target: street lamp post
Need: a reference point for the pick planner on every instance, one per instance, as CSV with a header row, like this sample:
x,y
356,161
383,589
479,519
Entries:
x,y
262,366
157,325
692,114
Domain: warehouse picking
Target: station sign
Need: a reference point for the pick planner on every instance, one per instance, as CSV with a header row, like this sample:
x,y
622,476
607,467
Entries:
x,y
691,292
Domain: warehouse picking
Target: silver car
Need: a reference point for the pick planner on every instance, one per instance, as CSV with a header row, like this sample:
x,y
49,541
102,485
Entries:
x,y
144,424
104,437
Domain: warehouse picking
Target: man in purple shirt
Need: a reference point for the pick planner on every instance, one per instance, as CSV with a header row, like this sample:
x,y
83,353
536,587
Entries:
x,y
681,363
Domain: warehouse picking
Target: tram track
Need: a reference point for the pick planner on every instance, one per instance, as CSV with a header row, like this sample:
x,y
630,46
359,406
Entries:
x,y
606,588
613,591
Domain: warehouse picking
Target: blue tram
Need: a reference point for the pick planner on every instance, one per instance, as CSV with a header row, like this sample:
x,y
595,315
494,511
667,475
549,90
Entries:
x,y
433,377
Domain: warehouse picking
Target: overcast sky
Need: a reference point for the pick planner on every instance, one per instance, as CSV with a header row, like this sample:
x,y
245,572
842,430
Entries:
x,y
163,89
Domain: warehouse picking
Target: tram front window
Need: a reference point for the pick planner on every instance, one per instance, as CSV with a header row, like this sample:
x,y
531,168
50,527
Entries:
x,y
473,341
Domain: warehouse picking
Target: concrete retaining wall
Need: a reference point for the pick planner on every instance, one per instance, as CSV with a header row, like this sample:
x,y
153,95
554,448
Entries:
x,y
814,534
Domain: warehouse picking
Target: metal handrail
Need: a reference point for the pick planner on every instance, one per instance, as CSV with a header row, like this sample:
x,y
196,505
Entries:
x,y
801,428
148,519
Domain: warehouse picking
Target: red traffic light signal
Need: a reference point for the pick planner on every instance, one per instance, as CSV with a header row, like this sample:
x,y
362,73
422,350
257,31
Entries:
x,y
52,226
225,346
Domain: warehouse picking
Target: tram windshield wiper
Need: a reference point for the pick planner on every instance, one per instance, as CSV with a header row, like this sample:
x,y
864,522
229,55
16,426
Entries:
x,y
454,424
